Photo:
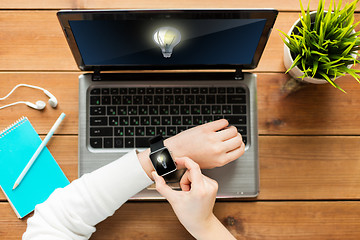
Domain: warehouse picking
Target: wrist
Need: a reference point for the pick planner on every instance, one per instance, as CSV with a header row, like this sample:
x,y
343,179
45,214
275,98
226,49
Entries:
x,y
212,228
145,162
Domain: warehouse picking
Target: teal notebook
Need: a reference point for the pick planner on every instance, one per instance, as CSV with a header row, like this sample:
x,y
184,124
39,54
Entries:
x,y
18,143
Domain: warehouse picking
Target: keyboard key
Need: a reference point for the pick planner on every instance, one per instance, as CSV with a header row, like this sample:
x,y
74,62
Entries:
x,y
129,142
204,90
94,100
118,142
142,142
205,109
96,142
101,131
210,99
137,99
230,90
176,120
169,99
200,99
150,90
164,110
108,142
153,110
150,131
239,109
111,110
134,121
236,119
141,91
123,121
221,90
139,131
195,109
132,110
123,91
174,110
242,130
145,120
105,91
143,110
116,100
148,99
236,99
113,121
244,138
132,90
161,131
197,120
98,121
166,120
177,90
220,99
185,110
187,120
105,100
126,99
195,90
114,91
168,91
212,90
216,109
186,90
190,99
226,109
208,118
95,91
129,131
158,99
122,110
159,90
119,131
155,120
179,99
240,90
171,131
181,129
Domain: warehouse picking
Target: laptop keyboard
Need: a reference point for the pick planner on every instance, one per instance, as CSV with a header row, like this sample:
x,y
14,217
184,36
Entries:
x,y
128,117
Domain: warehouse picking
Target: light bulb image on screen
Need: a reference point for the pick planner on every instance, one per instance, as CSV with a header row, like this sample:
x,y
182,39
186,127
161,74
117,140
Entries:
x,y
162,160
167,38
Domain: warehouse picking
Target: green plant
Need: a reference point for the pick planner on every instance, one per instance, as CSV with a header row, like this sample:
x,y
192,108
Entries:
x,y
324,46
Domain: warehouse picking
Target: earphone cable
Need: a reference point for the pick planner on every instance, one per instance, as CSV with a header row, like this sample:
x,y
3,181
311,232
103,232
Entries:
x,y
21,85
11,104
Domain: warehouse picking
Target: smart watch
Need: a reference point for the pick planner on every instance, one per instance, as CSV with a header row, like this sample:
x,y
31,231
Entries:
x,y
160,156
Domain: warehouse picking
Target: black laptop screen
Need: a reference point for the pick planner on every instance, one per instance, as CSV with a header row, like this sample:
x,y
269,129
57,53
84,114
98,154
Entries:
x,y
167,42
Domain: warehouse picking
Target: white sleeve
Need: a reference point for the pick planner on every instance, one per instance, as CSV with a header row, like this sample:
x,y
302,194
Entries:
x,y
73,211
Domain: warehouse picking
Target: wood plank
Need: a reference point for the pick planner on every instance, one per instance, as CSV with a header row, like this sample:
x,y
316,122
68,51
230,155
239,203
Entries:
x,y
245,220
291,167
282,5
33,40
315,109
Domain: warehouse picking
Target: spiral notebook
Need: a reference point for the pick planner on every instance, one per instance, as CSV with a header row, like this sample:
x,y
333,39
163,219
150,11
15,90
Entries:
x,y
18,143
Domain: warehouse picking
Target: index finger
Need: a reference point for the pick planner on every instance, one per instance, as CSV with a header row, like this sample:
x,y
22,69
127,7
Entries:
x,y
195,175
217,125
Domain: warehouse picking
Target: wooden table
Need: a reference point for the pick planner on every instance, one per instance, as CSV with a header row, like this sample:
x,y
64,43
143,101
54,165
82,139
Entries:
x,y
309,140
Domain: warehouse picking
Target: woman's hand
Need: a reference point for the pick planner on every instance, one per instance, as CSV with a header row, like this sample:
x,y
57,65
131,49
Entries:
x,y
194,204
213,144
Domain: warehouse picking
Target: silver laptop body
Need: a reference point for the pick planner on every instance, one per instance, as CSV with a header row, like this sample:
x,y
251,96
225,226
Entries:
x,y
238,179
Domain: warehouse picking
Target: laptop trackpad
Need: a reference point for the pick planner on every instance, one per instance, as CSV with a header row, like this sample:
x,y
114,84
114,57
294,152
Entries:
x,y
172,179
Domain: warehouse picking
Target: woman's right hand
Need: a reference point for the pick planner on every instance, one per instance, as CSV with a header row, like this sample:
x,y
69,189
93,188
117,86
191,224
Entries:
x,y
194,204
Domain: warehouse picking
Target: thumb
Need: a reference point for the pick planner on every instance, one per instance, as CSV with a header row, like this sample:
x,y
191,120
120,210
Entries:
x,y
161,186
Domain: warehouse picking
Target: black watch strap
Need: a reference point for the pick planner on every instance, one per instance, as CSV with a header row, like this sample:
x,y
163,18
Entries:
x,y
156,143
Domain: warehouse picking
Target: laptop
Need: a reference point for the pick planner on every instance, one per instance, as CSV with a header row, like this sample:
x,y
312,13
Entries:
x,y
151,72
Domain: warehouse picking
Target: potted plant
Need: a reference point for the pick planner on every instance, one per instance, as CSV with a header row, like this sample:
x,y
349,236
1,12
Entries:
x,y
322,45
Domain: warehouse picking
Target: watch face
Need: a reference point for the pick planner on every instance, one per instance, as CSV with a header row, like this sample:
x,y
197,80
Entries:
x,y
162,162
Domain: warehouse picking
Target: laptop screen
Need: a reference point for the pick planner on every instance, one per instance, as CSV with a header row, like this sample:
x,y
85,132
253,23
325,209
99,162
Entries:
x,y
167,39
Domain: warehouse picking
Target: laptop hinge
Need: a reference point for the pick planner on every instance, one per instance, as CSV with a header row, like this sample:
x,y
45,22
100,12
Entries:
x,y
96,75
239,75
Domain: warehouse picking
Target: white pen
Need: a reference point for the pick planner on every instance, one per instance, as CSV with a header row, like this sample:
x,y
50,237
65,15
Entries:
x,y
38,151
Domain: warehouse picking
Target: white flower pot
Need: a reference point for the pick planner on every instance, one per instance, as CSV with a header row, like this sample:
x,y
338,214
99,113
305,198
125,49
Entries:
x,y
288,60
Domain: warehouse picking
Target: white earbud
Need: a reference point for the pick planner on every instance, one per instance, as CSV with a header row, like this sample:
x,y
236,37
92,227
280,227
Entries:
x,y
39,105
52,101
